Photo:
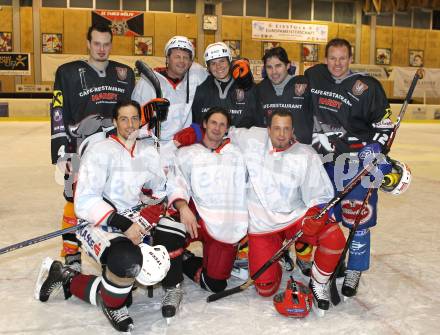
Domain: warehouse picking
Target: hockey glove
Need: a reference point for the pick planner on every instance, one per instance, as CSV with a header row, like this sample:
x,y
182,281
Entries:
x,y
190,135
152,213
155,109
310,225
119,221
241,72
374,151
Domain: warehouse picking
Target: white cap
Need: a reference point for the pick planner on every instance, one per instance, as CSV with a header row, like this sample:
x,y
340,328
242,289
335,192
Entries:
x,y
180,42
217,50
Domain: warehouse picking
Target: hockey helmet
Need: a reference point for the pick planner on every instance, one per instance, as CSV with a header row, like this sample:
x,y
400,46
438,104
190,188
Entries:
x,y
295,301
179,42
155,264
217,50
398,180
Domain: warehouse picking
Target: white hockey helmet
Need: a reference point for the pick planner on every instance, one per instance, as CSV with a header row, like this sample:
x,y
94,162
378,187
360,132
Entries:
x,y
180,42
398,180
155,264
217,50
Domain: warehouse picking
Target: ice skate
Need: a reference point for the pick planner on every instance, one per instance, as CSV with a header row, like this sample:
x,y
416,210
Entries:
x,y
240,272
304,266
171,302
52,276
321,299
286,261
351,283
118,317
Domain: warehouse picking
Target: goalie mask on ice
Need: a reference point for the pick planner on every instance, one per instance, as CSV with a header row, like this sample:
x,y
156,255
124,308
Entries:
x,y
155,264
295,301
398,180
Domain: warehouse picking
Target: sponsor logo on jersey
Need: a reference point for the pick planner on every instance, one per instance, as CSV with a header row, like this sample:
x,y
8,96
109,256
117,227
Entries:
x,y
330,102
121,72
287,106
57,121
350,209
300,89
331,95
239,95
359,87
104,88
57,99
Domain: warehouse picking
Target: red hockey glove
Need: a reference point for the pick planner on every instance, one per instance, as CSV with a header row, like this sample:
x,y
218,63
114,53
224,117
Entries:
x,y
192,134
310,225
155,109
152,213
241,72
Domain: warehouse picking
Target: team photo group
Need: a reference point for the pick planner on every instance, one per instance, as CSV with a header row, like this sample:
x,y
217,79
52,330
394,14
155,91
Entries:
x,y
267,176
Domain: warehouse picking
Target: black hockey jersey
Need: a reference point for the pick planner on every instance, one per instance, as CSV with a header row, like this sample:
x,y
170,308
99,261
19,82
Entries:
x,y
295,99
241,104
82,102
351,113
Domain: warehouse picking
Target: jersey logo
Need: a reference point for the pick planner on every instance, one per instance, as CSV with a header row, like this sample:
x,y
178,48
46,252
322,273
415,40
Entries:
x,y
57,99
350,209
359,87
239,95
121,72
300,89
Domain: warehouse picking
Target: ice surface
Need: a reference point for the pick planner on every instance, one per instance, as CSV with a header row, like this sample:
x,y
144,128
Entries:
x,y
398,295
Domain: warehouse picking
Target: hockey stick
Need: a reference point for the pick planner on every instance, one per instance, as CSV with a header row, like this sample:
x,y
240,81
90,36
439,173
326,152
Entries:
x,y
334,294
335,298
148,73
81,224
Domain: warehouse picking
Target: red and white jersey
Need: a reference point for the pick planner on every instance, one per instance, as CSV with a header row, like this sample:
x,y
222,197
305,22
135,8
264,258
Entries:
x,y
283,184
180,95
113,172
216,182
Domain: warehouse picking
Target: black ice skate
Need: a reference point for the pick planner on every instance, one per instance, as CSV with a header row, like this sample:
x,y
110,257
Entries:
x,y
321,299
171,301
118,317
351,283
304,266
286,261
52,276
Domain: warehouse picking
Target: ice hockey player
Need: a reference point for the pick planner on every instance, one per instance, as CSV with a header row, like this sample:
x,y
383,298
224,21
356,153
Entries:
x,y
84,95
282,91
288,185
352,123
178,81
112,173
230,85
207,188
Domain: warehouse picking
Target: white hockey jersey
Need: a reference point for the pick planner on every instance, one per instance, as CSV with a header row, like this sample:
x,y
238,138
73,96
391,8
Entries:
x,y
179,114
110,171
216,182
283,184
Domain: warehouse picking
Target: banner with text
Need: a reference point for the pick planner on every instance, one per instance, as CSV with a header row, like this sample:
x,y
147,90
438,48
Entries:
x,y
121,22
429,86
13,64
286,31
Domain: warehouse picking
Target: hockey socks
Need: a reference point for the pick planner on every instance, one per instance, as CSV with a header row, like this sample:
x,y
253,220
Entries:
x,y
359,252
85,287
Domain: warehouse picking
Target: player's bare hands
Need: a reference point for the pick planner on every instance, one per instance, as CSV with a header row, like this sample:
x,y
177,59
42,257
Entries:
x,y
135,233
189,220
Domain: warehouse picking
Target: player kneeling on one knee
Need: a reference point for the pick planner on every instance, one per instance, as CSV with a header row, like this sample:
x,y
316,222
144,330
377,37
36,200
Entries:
x,y
108,197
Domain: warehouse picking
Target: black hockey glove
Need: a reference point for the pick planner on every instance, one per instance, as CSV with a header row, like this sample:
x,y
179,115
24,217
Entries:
x,y
241,72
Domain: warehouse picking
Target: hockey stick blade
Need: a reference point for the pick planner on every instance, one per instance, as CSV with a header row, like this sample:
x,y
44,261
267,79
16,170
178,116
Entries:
x,y
148,73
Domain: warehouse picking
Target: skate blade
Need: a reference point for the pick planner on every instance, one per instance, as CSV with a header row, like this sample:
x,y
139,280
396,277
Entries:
x,y
42,275
319,312
240,273
345,299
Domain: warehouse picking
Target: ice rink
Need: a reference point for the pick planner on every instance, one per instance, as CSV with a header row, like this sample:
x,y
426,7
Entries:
x,y
398,295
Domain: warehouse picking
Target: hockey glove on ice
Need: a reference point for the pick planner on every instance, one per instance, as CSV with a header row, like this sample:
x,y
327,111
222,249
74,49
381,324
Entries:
x,y
241,72
310,225
192,134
